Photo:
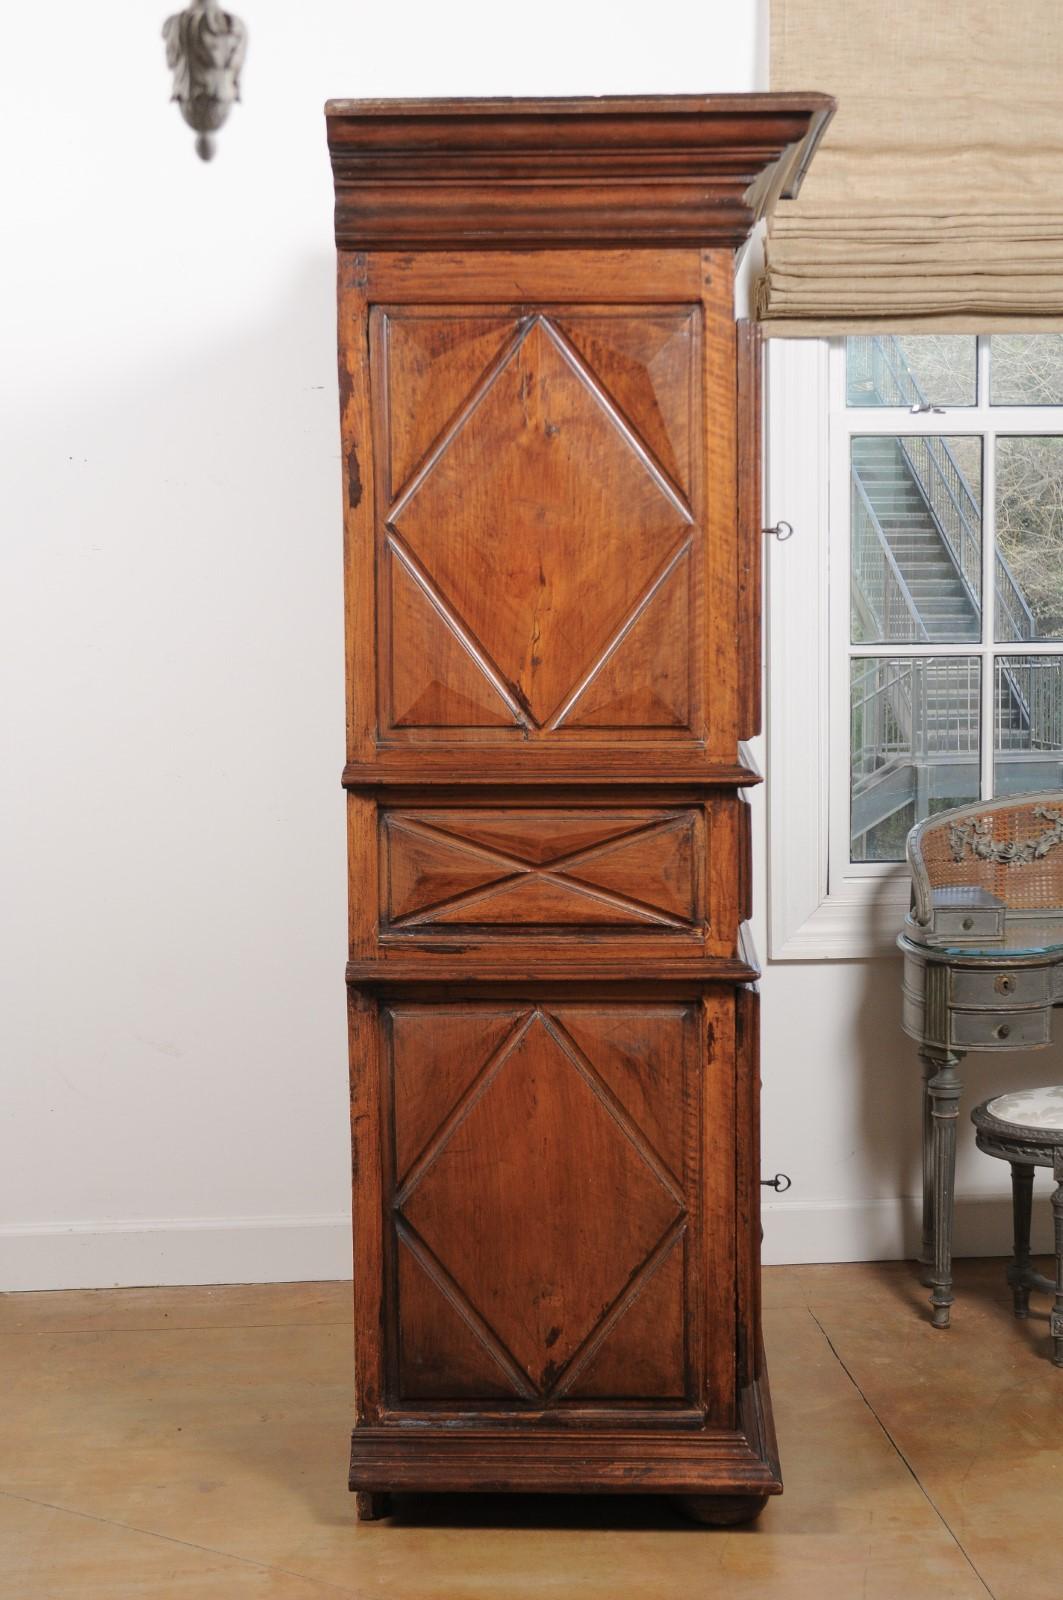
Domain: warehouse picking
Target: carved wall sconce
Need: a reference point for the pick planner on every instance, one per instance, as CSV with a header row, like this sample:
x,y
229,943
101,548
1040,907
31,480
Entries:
x,y
205,48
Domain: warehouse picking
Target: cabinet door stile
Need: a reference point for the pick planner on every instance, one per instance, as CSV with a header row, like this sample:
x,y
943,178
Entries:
x,y
750,529
747,1186
368,1154
357,419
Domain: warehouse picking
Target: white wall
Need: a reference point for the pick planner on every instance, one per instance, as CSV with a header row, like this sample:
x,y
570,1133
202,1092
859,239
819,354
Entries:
x,y
173,1072
173,1094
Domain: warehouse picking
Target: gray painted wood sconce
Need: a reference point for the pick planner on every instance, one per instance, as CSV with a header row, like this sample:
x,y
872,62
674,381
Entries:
x,y
205,49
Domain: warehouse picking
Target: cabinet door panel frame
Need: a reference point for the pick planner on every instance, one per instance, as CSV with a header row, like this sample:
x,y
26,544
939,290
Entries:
x,y
708,1179
714,577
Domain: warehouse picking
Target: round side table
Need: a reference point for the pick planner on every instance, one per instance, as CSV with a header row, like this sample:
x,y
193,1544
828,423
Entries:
x,y
1026,1129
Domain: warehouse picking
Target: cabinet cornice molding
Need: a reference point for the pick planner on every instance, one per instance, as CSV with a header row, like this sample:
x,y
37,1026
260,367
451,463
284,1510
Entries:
x,y
681,170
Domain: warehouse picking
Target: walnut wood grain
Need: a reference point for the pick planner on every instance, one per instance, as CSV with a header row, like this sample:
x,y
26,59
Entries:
x,y
686,170
555,570
550,463
747,1186
522,1455
750,521
568,879
554,769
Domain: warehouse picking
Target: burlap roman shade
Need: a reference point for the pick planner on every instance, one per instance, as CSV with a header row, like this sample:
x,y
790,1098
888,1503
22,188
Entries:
x,y
936,198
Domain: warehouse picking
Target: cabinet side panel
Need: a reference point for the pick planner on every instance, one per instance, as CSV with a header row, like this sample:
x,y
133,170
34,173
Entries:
x,y
367,1152
750,530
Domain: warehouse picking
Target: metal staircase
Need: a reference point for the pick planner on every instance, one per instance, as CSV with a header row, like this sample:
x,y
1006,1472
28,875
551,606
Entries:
x,y
916,569
941,599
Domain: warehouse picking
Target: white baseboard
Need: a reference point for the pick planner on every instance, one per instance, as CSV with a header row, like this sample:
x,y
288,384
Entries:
x,y
104,1255
890,1230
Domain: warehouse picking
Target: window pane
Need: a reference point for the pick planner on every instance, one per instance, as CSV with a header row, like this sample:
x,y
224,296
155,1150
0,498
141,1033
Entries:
x,y
887,369
914,746
916,539
1029,568
1029,724
1026,369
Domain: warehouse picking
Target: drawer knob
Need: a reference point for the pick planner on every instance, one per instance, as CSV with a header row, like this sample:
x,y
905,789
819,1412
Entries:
x,y
1003,1030
1005,983
968,924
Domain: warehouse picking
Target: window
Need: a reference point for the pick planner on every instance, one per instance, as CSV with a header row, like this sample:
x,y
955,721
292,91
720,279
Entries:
x,y
934,496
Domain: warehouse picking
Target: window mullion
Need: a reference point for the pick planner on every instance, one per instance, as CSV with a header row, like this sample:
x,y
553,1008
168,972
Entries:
x,y
987,731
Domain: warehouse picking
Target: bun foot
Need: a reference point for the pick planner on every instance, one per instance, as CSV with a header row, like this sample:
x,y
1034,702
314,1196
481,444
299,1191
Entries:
x,y
370,1505
721,1510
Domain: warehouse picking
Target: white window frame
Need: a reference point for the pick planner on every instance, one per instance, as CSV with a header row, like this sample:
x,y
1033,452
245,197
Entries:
x,y
822,906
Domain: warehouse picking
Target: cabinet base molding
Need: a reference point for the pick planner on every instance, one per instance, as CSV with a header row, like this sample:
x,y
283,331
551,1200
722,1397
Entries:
x,y
721,1475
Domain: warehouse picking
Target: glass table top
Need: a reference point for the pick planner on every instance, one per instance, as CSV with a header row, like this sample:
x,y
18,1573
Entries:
x,y
1025,937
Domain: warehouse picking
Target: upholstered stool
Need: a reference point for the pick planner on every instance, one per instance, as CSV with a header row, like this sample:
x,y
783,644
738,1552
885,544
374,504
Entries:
x,y
1026,1128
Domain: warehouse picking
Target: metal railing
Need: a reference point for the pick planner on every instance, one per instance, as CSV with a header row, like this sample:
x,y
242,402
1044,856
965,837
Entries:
x,y
880,584
952,504
1039,683
914,714
880,717
952,501
913,710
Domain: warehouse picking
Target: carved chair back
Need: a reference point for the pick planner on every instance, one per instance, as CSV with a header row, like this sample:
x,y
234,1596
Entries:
x,y
1012,849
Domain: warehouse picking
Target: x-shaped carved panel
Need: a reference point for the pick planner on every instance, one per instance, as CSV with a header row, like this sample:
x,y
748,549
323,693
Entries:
x,y
640,869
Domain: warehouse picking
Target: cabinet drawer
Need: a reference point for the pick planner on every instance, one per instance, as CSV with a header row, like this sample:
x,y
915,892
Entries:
x,y
999,1030
508,869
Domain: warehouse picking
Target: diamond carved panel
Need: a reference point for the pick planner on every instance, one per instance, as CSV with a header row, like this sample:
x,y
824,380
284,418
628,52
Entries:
x,y
646,364
550,538
541,1213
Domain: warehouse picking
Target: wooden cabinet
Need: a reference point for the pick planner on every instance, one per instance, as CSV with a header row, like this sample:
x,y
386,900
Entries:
x,y
551,468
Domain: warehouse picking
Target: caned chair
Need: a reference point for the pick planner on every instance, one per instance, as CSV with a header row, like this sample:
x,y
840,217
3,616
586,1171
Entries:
x,y
980,870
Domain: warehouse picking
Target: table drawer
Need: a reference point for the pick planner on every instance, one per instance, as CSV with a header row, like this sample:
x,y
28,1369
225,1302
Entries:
x,y
968,924
1016,986
999,1030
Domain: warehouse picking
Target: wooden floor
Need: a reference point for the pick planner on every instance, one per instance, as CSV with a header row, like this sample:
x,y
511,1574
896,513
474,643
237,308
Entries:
x,y
192,1442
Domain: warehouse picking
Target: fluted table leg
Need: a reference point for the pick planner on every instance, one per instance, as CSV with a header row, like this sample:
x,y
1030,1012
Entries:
x,y
944,1090
926,1254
